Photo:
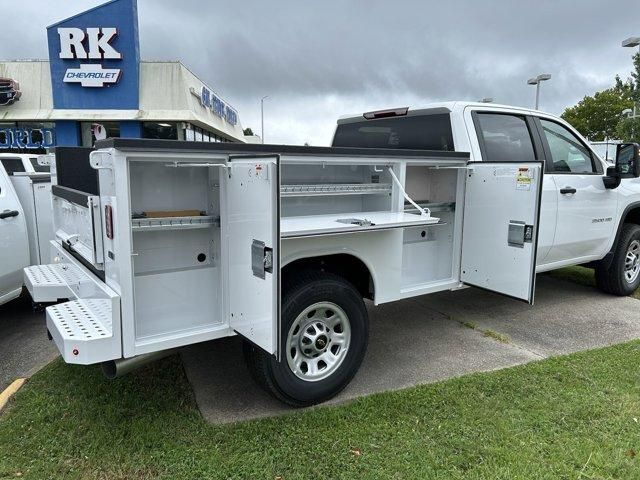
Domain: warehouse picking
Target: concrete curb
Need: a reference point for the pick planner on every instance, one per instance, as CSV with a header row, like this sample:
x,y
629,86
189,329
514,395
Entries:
x,y
10,391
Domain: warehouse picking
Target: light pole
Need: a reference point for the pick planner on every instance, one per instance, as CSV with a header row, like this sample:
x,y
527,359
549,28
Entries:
x,y
262,115
630,43
537,81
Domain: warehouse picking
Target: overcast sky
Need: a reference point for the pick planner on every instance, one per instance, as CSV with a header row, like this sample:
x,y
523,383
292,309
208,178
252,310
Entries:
x,y
319,60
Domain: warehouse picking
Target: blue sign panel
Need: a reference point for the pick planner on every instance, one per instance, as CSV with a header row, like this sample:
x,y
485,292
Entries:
x,y
95,58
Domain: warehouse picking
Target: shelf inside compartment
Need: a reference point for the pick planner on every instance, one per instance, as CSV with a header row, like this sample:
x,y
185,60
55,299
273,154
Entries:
x,y
303,226
173,223
324,189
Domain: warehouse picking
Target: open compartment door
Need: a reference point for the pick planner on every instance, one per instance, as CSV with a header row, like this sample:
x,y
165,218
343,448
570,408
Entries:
x,y
500,227
251,223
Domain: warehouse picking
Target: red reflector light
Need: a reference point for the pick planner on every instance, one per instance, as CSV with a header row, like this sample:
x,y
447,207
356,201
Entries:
x,y
108,221
393,112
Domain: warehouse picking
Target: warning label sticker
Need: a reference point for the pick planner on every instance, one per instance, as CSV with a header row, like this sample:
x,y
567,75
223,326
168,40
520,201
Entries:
x,y
523,178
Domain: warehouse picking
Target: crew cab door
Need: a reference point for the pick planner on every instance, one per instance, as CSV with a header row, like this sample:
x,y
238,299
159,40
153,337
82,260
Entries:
x,y
14,242
500,227
251,228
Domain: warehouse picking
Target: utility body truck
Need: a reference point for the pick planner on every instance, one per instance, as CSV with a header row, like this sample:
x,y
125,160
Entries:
x,y
162,244
25,219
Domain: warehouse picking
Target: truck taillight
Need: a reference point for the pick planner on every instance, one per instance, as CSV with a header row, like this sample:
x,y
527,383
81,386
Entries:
x,y
394,112
108,221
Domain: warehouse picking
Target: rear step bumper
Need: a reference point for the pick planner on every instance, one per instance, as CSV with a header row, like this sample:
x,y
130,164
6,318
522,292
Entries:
x,y
86,329
49,283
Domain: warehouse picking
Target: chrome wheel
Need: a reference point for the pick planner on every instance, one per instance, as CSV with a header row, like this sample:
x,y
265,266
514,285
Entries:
x,y
632,262
318,341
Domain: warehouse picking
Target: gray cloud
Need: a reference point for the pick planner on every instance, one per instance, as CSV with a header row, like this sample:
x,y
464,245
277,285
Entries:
x,y
319,60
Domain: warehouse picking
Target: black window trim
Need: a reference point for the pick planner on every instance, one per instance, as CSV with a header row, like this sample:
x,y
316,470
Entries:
x,y
11,172
536,142
595,163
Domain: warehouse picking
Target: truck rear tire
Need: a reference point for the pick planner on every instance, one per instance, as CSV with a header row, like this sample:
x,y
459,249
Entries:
x,y
623,275
325,331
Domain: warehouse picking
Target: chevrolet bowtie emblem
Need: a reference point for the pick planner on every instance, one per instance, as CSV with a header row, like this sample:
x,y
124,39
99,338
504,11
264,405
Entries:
x,y
92,75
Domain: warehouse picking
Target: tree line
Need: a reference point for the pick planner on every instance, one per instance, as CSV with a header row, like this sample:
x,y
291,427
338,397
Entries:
x,y
600,116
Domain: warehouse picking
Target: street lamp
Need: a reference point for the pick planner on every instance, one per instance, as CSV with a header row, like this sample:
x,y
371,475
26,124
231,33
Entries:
x,y
262,115
537,81
487,100
632,42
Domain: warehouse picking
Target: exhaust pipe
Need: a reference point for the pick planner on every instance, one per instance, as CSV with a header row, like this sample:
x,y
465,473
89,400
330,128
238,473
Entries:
x,y
117,368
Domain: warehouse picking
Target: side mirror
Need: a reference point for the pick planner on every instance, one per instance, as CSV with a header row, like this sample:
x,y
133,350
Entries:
x,y
612,179
628,160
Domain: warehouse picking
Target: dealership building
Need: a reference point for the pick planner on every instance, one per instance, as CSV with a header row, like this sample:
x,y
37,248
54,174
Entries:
x,y
94,86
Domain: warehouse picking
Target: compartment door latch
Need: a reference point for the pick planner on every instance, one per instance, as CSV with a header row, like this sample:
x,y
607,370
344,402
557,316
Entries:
x,y
519,234
261,259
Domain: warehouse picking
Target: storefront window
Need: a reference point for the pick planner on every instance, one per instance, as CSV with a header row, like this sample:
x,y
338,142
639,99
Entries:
x,y
162,131
193,133
93,131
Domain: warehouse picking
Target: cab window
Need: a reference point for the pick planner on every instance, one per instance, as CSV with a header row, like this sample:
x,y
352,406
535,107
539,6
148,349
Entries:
x,y
12,165
505,138
568,153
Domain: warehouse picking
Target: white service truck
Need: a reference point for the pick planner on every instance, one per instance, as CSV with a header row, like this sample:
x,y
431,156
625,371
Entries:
x,y
175,243
25,219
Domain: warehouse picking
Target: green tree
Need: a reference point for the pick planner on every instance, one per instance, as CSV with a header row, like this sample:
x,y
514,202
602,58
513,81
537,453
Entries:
x,y
597,117
628,128
248,131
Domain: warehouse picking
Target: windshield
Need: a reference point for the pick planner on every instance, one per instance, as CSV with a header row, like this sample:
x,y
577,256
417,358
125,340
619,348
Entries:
x,y
419,132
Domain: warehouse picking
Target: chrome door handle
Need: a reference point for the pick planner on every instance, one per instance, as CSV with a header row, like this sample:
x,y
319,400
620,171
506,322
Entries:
x,y
567,190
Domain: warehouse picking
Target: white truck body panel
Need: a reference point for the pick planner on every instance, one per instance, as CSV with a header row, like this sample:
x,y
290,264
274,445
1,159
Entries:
x,y
186,278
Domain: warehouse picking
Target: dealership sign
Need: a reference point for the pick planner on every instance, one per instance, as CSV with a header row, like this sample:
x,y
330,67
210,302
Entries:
x,y
210,100
26,138
94,58
98,41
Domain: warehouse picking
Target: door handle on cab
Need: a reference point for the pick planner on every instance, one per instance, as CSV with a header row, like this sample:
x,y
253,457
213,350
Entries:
x,y
567,190
8,214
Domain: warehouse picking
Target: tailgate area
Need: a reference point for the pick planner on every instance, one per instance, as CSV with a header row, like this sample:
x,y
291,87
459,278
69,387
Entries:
x,y
86,329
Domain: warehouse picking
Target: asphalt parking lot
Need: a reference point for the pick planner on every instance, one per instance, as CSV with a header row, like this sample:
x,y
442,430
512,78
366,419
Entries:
x,y
416,341
24,346
423,340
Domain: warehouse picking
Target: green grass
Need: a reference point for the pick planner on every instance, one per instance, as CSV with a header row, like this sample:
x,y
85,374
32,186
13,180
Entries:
x,y
566,417
583,276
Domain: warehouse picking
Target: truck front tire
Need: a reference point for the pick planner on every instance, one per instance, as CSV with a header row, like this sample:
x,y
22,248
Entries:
x,y
623,275
325,331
